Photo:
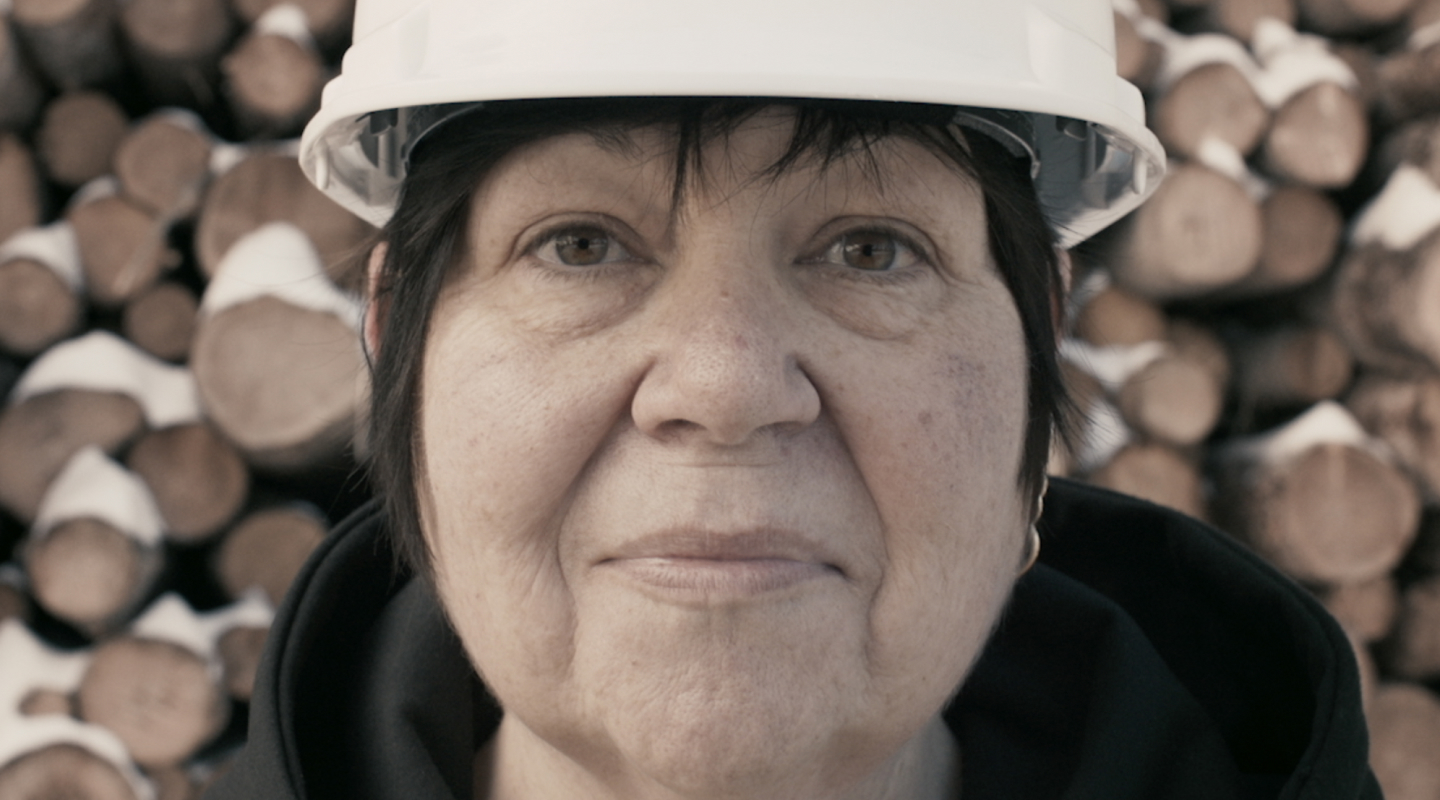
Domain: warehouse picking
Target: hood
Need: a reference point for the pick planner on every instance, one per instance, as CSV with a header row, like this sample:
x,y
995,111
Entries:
x,y
1146,656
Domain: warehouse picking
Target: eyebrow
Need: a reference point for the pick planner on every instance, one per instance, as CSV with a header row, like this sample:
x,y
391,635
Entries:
x,y
806,147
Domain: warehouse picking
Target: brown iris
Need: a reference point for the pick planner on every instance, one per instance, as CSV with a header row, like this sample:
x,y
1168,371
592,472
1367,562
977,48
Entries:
x,y
873,251
582,248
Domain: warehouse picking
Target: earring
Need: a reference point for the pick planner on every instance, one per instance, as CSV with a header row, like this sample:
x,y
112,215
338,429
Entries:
x,y
1033,545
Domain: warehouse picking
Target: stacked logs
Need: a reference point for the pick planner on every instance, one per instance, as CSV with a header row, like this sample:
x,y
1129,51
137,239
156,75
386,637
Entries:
x,y
180,376
1260,344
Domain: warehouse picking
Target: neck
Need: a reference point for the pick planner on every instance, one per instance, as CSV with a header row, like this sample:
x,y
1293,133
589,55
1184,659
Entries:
x,y
517,765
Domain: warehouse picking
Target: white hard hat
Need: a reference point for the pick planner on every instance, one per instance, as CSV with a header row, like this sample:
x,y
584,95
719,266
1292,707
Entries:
x,y
413,61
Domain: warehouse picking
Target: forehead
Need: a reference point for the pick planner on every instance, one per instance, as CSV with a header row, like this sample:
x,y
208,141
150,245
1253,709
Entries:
x,y
680,172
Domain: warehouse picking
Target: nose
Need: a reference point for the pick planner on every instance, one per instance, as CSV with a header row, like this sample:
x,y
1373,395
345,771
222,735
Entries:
x,y
727,367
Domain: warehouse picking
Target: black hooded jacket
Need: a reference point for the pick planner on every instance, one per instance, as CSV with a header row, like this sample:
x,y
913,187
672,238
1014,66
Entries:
x,y
1146,656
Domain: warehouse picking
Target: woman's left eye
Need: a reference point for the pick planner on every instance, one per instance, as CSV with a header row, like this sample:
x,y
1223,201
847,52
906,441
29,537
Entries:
x,y
581,247
871,251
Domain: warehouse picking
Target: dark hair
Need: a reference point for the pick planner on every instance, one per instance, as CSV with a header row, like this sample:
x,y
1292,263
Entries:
x,y
427,236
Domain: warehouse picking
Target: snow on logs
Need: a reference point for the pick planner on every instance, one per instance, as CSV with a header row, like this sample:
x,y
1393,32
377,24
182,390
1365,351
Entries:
x,y
277,354
44,751
94,550
265,187
1385,299
94,390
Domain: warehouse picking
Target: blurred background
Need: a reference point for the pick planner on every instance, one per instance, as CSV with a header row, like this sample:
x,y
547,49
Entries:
x,y
1258,346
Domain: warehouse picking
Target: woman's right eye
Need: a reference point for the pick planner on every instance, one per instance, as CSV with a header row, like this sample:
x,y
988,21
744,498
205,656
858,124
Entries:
x,y
581,247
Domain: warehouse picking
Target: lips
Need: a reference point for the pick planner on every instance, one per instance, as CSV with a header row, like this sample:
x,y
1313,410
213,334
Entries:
x,y
713,566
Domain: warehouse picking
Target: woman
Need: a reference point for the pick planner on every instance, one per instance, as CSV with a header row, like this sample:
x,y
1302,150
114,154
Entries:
x,y
712,407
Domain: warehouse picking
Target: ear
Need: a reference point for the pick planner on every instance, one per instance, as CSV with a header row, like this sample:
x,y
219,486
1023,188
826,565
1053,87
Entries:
x,y
1057,302
377,308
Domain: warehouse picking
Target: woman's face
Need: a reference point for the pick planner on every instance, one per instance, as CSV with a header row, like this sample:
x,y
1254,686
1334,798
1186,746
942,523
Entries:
x,y
725,494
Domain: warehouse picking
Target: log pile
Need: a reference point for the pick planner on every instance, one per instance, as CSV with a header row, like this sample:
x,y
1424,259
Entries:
x,y
1258,346
180,376
1299,228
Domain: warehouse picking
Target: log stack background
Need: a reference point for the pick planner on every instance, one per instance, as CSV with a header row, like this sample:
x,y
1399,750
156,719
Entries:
x,y
1258,346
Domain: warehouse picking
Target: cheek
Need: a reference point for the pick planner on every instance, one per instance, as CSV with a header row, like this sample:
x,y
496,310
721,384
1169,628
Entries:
x,y
505,433
942,463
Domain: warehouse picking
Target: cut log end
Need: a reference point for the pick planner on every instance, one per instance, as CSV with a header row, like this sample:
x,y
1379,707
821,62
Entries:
x,y
164,167
1302,234
13,603
37,307
273,83
157,697
1414,650
327,19
1292,366
123,248
281,381
39,435
198,480
1155,473
1404,722
1137,59
1212,101
1117,317
267,549
1406,415
1351,17
1366,610
47,702
172,783
78,136
1199,233
240,649
271,188
1331,514
63,772
1319,138
161,320
1172,400
1238,18
88,573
